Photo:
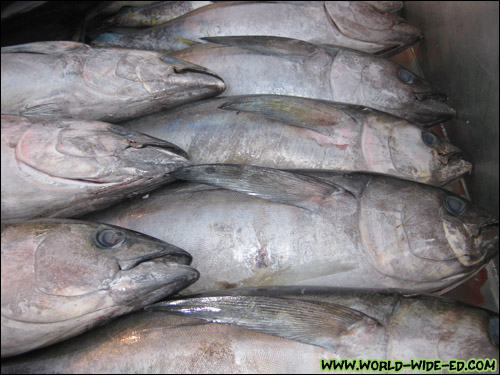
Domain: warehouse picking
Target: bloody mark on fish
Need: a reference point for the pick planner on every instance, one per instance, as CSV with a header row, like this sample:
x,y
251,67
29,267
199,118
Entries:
x,y
220,351
262,258
226,285
470,291
321,139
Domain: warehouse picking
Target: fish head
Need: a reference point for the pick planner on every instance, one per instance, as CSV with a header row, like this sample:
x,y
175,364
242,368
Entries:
x,y
416,154
471,232
361,21
196,81
384,85
95,153
82,271
423,237
157,76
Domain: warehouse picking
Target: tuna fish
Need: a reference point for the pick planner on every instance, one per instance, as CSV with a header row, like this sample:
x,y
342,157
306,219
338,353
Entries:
x,y
62,277
358,230
280,330
48,80
64,168
297,133
351,24
270,65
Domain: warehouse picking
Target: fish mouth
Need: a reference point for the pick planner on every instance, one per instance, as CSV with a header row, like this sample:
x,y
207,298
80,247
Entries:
x,y
477,244
150,281
169,254
486,239
454,167
446,158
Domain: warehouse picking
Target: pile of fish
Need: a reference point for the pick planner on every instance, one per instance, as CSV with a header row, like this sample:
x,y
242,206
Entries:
x,y
304,206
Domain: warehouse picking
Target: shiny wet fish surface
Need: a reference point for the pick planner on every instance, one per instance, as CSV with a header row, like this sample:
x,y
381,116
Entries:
x,y
69,80
283,66
266,328
287,132
331,230
62,277
65,168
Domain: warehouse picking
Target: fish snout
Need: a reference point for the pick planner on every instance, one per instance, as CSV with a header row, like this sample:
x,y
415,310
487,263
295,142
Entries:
x,y
190,74
150,269
151,281
429,111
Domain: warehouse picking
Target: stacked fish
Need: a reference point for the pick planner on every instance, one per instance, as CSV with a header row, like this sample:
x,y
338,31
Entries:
x,y
315,169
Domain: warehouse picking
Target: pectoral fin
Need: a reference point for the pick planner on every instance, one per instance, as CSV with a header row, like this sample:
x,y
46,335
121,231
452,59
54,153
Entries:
x,y
46,48
291,49
275,185
300,112
315,323
42,111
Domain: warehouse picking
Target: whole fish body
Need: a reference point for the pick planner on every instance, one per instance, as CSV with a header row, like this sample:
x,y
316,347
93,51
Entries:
x,y
47,80
351,24
281,66
359,230
65,168
62,277
268,328
162,12
286,132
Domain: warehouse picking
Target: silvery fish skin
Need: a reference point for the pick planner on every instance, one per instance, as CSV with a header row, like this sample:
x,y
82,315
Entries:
x,y
384,326
155,14
62,277
351,24
53,80
287,132
270,65
357,230
65,168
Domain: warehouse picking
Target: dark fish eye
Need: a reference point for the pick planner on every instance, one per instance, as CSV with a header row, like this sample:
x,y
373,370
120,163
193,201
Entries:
x,y
109,238
119,130
406,76
429,138
455,206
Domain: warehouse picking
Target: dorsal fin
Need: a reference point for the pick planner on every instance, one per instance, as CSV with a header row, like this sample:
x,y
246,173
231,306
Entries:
x,y
290,49
314,114
46,48
275,185
317,323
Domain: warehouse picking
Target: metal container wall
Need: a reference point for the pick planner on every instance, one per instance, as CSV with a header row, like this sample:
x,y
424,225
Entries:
x,y
459,54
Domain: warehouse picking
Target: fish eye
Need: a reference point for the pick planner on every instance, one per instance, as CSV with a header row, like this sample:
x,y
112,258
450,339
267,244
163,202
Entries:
x,y
430,138
455,206
119,130
109,238
406,76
